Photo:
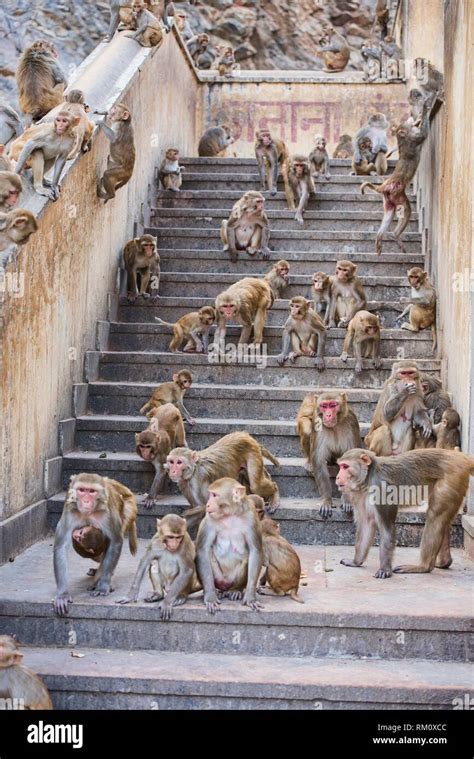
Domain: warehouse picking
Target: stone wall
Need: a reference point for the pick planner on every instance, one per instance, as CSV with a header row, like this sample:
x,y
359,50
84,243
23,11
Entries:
x,y
70,264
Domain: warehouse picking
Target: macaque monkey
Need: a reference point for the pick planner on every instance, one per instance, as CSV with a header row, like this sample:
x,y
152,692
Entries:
x,y
382,15
327,427
225,62
18,683
171,392
410,139
371,54
141,258
278,277
40,80
74,103
365,167
43,147
400,411
322,284
10,190
215,141
107,505
149,32
166,431
430,81
347,295
319,159
363,336
362,476
193,471
391,50
169,558
300,186
304,331
121,160
447,431
421,309
198,47
435,398
247,227
229,546
271,154
120,11
376,131
416,102
193,329
281,562
345,148
90,543
170,171
334,50
245,302
182,24
16,227
11,125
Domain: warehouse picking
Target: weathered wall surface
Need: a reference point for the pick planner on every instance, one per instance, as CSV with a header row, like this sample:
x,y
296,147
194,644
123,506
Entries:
x,y
297,110
70,263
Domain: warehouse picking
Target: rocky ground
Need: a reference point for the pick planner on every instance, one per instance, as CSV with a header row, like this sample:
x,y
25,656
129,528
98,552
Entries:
x,y
266,34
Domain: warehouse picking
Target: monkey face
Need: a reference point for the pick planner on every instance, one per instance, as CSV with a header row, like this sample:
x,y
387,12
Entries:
x,y
320,281
148,248
353,468
146,452
379,120
12,198
416,278
320,143
408,375
212,506
372,330
173,542
283,272
228,310
178,467
297,310
203,41
265,138
86,498
345,271
61,123
299,168
207,316
172,155
137,8
328,411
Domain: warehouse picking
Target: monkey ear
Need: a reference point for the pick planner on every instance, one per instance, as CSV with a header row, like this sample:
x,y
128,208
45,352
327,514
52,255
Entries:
x,y
343,396
355,268
194,457
175,376
238,493
125,115
137,435
365,459
158,522
21,222
309,303
17,657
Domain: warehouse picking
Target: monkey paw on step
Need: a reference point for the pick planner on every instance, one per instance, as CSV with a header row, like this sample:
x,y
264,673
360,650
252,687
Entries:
x,y
127,600
383,574
349,563
61,604
102,588
299,218
346,506
319,364
212,602
250,600
149,502
359,367
325,510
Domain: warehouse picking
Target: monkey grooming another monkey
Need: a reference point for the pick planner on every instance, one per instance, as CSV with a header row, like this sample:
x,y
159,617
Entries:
x,y
171,392
247,227
166,431
170,560
363,335
281,562
229,546
215,141
121,160
300,186
192,471
319,159
141,259
304,331
170,171
334,50
245,302
43,147
271,155
277,277
327,427
322,285
107,505
363,477
400,411
347,295
19,684
193,329
421,309
40,80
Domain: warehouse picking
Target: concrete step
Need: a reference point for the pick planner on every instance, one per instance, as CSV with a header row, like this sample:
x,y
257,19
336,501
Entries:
x,y
250,166
423,623
303,262
154,337
282,240
281,219
158,367
109,432
299,517
234,400
377,288
172,308
243,182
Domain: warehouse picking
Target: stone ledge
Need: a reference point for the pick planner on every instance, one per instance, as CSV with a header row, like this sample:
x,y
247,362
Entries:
x,y
21,530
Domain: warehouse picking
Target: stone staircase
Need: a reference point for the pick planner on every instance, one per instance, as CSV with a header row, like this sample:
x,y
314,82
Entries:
x,y
357,642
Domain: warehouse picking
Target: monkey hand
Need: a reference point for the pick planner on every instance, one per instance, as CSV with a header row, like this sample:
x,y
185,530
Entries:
x,y
127,600
281,359
383,574
325,509
299,218
344,357
61,604
212,602
250,600
319,364
346,505
190,420
410,388
149,502
103,588
358,367
328,176
426,430
378,363
265,254
166,609
293,356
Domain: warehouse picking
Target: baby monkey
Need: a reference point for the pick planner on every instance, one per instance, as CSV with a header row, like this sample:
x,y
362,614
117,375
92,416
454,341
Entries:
x,y
170,171
193,328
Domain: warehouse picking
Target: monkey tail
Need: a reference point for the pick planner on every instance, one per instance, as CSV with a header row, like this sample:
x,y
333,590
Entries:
x,y
133,539
165,324
294,595
370,186
267,455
